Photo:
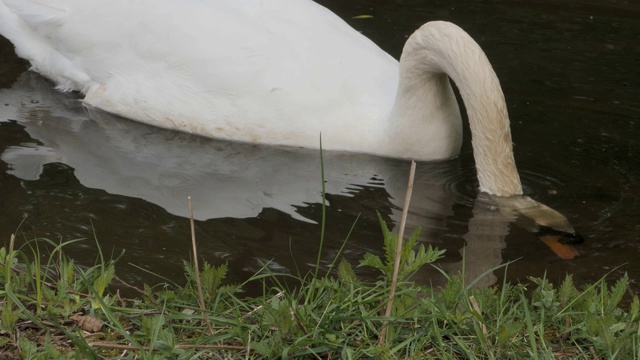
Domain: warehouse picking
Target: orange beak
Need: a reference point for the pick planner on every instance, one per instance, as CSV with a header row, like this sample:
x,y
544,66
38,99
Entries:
x,y
564,251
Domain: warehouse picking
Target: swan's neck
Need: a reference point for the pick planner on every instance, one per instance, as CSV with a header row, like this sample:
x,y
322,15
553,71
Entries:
x,y
440,48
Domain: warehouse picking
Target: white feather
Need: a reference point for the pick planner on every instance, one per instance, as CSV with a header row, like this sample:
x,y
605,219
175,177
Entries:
x,y
270,71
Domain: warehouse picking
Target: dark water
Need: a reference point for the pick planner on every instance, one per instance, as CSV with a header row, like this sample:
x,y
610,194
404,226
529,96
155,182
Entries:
x,y
571,79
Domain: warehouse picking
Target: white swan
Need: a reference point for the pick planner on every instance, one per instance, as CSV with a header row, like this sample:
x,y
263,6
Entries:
x,y
275,72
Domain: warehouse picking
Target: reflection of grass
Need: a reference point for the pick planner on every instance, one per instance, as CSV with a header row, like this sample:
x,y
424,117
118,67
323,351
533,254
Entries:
x,y
53,308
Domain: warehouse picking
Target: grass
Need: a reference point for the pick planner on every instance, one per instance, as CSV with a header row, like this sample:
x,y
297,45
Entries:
x,y
57,309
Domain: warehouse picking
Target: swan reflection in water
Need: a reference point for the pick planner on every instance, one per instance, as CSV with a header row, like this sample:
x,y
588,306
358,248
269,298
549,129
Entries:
x,y
236,180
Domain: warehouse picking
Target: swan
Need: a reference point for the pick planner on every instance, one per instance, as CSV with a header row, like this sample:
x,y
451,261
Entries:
x,y
278,72
244,181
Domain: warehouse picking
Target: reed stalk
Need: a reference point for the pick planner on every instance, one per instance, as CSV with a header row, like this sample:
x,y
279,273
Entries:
x,y
396,264
197,267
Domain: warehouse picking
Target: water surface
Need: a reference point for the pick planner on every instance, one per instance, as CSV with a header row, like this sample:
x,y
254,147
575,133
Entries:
x,y
569,72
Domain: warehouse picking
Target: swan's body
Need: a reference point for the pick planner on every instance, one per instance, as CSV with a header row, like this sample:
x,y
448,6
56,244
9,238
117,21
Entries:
x,y
271,71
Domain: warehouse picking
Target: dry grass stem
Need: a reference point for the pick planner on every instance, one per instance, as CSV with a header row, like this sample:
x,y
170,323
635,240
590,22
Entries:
x,y
108,345
396,264
279,295
298,321
197,267
476,307
12,241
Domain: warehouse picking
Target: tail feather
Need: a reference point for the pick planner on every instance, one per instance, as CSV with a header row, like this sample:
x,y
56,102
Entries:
x,y
29,24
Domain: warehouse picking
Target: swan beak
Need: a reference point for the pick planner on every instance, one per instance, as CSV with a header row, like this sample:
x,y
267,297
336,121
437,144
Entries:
x,y
560,242
550,226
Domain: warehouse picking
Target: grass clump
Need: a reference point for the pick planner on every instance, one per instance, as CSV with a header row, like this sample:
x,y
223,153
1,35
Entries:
x,y
57,309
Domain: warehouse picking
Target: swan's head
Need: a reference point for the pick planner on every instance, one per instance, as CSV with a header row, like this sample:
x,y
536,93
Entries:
x,y
539,218
543,216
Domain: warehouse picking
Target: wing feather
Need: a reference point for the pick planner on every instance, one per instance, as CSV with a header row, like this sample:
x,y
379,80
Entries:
x,y
36,13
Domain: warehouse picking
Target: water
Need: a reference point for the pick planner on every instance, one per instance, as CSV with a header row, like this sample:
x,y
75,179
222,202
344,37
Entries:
x,y
569,72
